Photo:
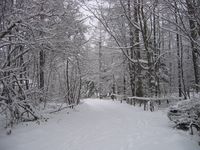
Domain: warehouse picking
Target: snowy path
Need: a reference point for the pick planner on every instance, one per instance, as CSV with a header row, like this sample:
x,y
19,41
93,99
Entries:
x,y
100,125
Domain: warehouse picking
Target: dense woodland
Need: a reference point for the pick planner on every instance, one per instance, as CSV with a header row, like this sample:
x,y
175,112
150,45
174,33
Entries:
x,y
158,43
42,55
65,50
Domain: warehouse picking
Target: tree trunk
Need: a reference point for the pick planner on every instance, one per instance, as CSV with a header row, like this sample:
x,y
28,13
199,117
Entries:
x,y
67,83
41,57
100,64
139,90
41,63
182,71
178,53
131,65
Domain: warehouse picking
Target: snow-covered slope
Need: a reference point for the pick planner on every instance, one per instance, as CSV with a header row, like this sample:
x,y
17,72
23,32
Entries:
x,y
99,125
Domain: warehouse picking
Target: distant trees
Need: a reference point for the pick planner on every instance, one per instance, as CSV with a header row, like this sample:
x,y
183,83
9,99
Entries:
x,y
187,30
192,8
159,40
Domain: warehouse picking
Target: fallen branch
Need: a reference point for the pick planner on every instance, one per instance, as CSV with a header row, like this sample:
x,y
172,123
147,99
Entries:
x,y
61,108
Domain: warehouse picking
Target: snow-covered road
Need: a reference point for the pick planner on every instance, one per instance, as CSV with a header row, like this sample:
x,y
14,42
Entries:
x,y
100,125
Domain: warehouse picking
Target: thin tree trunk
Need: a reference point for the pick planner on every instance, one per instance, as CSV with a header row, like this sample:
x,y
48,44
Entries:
x,y
178,53
131,65
170,65
41,63
139,90
182,71
41,57
67,82
100,64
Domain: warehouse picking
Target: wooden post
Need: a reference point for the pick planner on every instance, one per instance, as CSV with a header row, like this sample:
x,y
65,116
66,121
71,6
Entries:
x,y
134,101
131,101
151,106
145,103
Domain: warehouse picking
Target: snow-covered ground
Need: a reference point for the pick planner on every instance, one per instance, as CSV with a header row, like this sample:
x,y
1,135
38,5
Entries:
x,y
99,125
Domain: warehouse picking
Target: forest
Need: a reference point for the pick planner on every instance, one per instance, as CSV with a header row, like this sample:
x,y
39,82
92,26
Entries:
x,y
55,53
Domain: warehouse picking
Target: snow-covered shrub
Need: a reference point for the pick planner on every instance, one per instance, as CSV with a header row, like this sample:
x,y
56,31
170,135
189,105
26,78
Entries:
x,y
15,104
186,114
